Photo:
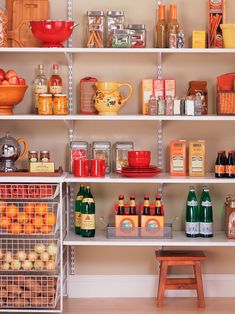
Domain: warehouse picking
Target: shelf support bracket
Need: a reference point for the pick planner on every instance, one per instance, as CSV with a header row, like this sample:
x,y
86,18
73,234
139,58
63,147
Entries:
x,y
70,226
160,145
159,65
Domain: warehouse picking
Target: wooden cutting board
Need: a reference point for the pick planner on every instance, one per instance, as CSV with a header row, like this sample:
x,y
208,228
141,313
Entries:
x,y
20,12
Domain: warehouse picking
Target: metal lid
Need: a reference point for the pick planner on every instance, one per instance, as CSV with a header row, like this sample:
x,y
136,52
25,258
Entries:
x,y
115,13
101,145
95,13
121,32
60,95
136,26
33,151
45,95
44,151
124,145
76,144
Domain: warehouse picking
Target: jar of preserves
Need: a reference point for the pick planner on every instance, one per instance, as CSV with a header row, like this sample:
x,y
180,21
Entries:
x,y
121,38
102,150
32,155
45,104
95,29
44,156
60,104
115,20
121,150
138,35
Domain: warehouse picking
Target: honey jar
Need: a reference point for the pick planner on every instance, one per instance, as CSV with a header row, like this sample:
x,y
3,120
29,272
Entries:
x,y
60,104
44,156
33,156
45,104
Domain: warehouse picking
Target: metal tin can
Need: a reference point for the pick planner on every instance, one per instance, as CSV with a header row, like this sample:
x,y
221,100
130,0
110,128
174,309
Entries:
x,y
45,104
60,104
44,156
32,155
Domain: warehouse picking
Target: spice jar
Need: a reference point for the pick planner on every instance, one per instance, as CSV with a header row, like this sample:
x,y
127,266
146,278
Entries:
x,y
45,104
121,38
121,154
138,35
32,155
78,150
95,29
44,156
115,20
3,28
102,150
60,104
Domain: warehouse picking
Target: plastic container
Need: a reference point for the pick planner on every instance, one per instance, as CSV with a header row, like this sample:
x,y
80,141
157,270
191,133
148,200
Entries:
x,y
228,35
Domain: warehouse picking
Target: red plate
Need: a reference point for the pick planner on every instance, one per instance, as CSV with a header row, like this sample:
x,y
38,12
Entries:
x,y
150,168
139,175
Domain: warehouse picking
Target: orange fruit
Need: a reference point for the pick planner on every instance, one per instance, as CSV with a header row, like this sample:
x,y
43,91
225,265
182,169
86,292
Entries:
x,y
12,211
37,221
16,228
29,228
49,219
46,229
5,222
23,218
3,206
29,208
41,208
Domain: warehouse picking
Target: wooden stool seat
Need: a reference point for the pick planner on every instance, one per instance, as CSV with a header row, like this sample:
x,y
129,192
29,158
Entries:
x,y
180,258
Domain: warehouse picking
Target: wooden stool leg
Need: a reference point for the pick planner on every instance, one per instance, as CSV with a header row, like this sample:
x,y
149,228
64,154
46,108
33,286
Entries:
x,y
162,283
198,277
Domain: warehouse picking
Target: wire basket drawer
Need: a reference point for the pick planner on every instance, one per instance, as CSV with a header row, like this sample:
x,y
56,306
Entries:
x,y
226,103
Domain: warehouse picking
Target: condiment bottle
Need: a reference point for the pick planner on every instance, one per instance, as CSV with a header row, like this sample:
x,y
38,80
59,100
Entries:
x,y
158,206
146,210
40,86
173,25
132,205
55,82
161,28
230,167
220,165
121,206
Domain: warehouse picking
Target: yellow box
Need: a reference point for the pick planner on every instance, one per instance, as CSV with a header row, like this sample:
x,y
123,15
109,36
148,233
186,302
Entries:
x,y
127,225
41,167
197,159
199,39
152,226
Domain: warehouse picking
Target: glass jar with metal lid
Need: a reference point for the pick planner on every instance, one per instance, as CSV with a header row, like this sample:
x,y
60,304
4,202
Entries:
x,y
115,20
121,150
95,29
102,150
121,38
138,35
78,150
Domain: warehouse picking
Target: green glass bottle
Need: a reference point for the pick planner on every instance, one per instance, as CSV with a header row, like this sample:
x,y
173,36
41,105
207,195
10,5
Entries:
x,y
78,205
192,222
88,215
206,215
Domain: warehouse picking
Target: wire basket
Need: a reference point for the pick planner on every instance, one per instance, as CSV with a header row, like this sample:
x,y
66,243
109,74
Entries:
x,y
29,191
26,255
29,218
29,292
226,103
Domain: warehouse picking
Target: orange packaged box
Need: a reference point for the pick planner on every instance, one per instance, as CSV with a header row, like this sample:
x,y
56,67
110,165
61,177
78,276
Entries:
x,y
178,158
170,88
197,159
151,87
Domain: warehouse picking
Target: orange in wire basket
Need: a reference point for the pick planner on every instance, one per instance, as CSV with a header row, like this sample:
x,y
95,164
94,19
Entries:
x,y
29,228
3,206
46,229
16,228
37,221
5,222
23,218
41,208
29,208
49,219
12,211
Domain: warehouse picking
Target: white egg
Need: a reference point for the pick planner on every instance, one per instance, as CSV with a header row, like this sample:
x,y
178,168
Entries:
x,y
52,249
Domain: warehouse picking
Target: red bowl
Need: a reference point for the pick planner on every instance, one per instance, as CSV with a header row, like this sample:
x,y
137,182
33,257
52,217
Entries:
x,y
139,158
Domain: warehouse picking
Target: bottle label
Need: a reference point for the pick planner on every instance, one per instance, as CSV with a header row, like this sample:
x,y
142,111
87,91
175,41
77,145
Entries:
x,y
192,228
40,89
230,170
178,164
87,221
206,204
158,204
121,203
79,198
55,89
77,219
88,200
197,164
146,203
132,203
206,228
192,203
220,169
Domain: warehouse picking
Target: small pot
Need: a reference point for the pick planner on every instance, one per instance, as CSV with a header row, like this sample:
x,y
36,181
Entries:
x,y
139,158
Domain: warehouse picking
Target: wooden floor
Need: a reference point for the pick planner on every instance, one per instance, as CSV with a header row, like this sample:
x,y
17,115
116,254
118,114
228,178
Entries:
x,y
148,306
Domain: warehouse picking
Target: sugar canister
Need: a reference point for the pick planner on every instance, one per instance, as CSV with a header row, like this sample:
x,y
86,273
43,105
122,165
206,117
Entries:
x,y
121,154
102,150
115,20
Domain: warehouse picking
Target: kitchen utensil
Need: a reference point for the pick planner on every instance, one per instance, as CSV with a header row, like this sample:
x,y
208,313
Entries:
x,y
98,168
108,99
138,158
52,33
81,167
10,95
10,151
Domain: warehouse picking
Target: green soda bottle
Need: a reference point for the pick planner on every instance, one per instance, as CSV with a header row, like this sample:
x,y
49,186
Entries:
x,y
192,223
78,205
88,215
206,215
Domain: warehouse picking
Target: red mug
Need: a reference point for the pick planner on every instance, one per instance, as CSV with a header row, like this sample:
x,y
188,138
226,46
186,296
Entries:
x,y
98,168
81,167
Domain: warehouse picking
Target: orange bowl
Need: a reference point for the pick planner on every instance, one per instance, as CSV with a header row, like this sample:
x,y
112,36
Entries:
x,y
11,95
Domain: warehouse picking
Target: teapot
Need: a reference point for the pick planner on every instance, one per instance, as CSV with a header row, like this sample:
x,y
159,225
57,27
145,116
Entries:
x,y
10,151
108,99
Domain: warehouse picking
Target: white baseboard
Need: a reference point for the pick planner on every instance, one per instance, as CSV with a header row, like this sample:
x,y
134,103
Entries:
x,y
144,286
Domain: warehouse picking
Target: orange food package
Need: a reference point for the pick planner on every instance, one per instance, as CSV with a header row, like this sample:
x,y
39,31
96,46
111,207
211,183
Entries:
x,y
216,17
197,159
178,158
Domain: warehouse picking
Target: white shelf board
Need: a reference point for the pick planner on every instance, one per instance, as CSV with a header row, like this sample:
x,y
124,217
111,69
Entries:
x,y
163,178
27,179
178,239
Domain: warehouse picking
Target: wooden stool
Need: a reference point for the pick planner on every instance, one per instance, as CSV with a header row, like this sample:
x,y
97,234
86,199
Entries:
x,y
180,258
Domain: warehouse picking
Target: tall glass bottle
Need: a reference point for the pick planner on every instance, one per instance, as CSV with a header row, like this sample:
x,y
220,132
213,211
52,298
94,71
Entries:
x,y
192,223
161,28
88,215
78,205
40,86
230,167
132,205
158,206
121,205
206,215
55,82
146,206
173,25
220,164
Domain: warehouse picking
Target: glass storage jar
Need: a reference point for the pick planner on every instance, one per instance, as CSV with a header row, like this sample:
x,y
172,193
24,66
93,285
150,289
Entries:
x,y
121,38
95,29
78,150
138,35
102,150
115,20
121,150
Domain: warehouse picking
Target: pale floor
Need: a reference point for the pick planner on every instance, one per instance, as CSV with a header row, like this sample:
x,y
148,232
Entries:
x,y
148,306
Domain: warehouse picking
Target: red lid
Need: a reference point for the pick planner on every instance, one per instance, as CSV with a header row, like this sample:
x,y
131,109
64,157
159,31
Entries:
x,y
55,66
121,196
132,196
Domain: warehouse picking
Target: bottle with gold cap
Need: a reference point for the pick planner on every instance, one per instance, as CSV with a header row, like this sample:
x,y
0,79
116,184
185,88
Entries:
x,y
88,215
172,26
161,28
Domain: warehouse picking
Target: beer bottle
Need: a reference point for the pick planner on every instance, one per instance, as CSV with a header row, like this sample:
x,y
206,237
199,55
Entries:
x,y
78,205
220,165
121,206
158,206
146,206
206,215
88,215
132,205
230,168
192,223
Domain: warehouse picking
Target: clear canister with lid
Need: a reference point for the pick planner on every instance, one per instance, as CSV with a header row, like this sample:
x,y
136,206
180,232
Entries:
x,y
121,150
121,38
95,29
138,35
115,20
102,150
78,150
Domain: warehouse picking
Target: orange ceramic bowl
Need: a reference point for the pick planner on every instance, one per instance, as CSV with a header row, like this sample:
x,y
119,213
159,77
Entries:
x,y
10,95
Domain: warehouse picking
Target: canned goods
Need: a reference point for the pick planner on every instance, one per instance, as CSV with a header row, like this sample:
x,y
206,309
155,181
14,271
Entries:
x,y
44,156
60,104
45,104
33,155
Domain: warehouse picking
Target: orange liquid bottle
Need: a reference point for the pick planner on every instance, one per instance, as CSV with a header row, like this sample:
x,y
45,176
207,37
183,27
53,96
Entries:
x,y
55,82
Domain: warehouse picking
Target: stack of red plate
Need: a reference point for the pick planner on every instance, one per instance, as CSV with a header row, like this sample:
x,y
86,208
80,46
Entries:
x,y
140,172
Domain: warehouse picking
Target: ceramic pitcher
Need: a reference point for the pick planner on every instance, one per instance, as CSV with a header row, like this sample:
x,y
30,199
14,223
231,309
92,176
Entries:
x,y
108,99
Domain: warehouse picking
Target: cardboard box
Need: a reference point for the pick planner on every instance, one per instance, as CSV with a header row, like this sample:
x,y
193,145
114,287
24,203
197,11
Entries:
x,y
178,158
152,226
170,88
197,159
151,87
199,39
41,167
127,225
